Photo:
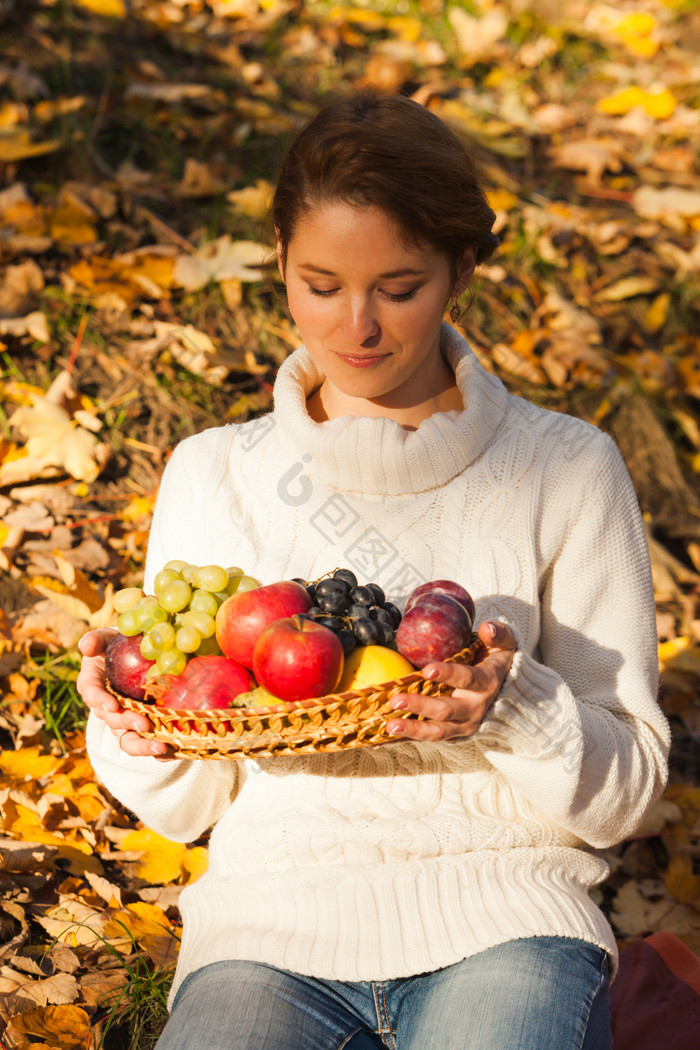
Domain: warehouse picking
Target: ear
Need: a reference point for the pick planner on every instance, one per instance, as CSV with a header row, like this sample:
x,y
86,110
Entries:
x,y
280,258
465,271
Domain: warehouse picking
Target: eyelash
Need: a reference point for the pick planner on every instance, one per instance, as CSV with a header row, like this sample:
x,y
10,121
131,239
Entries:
x,y
403,298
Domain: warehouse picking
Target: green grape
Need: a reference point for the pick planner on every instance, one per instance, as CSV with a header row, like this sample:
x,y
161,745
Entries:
x,y
204,601
235,570
201,621
188,639
188,573
153,672
209,647
146,649
210,578
178,566
164,578
247,583
148,616
127,623
127,598
148,599
162,636
175,596
172,661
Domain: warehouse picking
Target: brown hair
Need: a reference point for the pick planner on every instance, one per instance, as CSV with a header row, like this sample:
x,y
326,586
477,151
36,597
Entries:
x,y
391,153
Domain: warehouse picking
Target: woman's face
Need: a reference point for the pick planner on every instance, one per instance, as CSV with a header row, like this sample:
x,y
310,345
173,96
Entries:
x,y
368,308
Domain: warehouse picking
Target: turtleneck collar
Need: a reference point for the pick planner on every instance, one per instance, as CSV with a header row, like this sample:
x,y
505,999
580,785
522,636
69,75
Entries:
x,y
378,456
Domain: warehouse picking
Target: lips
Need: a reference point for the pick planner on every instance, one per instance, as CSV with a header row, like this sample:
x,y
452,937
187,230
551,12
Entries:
x,y
362,361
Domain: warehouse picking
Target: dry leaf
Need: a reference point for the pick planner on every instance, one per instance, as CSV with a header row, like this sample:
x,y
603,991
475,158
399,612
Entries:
x,y
53,438
60,1027
626,288
477,36
20,287
594,156
163,860
254,200
34,325
222,260
681,881
659,104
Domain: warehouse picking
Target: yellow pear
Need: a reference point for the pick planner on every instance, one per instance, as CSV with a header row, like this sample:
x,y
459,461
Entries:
x,y
372,665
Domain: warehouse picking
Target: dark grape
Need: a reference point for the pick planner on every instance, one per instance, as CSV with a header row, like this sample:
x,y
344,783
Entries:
x,y
361,611
332,586
332,603
379,596
381,615
298,579
311,591
362,596
347,640
386,633
366,632
346,574
333,623
314,612
394,612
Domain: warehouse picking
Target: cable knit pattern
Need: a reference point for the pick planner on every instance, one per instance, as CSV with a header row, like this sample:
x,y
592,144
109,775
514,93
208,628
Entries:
x,y
379,863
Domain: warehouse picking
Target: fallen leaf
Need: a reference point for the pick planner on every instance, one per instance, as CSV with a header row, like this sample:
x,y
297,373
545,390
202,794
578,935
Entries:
x,y
60,1027
626,288
594,156
254,200
659,104
163,860
33,325
222,260
55,440
476,36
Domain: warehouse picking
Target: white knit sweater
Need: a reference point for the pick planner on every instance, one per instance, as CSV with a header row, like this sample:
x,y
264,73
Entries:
x,y
378,863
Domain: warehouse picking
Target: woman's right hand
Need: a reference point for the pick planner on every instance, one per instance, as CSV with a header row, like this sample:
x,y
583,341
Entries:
x,y
90,685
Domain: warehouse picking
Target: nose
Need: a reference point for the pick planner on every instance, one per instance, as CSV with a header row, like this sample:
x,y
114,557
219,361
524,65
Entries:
x,y
361,324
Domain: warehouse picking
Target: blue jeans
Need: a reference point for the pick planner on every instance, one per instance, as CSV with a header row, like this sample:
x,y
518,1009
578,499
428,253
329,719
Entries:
x,y
540,993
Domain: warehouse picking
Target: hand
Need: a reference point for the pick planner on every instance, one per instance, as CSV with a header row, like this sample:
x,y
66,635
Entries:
x,y
476,686
90,685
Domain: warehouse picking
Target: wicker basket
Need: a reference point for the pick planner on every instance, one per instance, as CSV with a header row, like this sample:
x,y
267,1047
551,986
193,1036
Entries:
x,y
329,723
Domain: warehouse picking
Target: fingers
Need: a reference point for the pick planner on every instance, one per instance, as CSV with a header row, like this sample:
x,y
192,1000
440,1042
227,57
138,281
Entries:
x,y
94,643
133,744
475,687
125,725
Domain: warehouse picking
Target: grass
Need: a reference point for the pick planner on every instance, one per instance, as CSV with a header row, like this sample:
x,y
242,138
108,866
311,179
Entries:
x,y
62,709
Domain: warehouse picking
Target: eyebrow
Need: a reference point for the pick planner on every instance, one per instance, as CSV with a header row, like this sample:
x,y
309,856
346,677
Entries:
x,y
406,272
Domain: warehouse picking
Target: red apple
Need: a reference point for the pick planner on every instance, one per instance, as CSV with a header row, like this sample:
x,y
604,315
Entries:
x,y
242,617
208,682
436,627
454,590
297,659
125,668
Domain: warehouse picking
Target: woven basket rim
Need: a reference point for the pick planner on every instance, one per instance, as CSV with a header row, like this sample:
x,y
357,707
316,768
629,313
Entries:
x,y
332,722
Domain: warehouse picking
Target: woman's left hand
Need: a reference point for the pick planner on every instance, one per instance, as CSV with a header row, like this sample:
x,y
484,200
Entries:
x,y
476,686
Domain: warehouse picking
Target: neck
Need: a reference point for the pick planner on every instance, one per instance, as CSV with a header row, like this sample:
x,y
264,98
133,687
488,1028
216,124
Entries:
x,y
327,402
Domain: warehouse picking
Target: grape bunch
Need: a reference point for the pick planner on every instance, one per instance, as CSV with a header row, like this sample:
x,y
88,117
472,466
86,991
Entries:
x,y
358,613
179,620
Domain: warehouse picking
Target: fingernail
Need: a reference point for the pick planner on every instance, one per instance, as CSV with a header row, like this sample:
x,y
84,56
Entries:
x,y
135,724
492,630
399,705
157,749
431,673
395,728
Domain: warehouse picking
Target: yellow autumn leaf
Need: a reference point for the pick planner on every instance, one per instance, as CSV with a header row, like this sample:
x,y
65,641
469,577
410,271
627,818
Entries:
x,y
634,30
19,146
254,200
163,861
681,881
70,224
502,200
657,313
626,288
149,926
30,762
54,439
67,1027
108,8
659,104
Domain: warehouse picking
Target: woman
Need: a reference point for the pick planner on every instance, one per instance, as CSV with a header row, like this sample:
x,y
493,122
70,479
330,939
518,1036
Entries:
x,y
432,893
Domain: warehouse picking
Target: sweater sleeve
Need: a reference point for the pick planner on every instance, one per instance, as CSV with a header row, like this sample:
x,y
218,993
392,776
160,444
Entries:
x,y
179,799
579,733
